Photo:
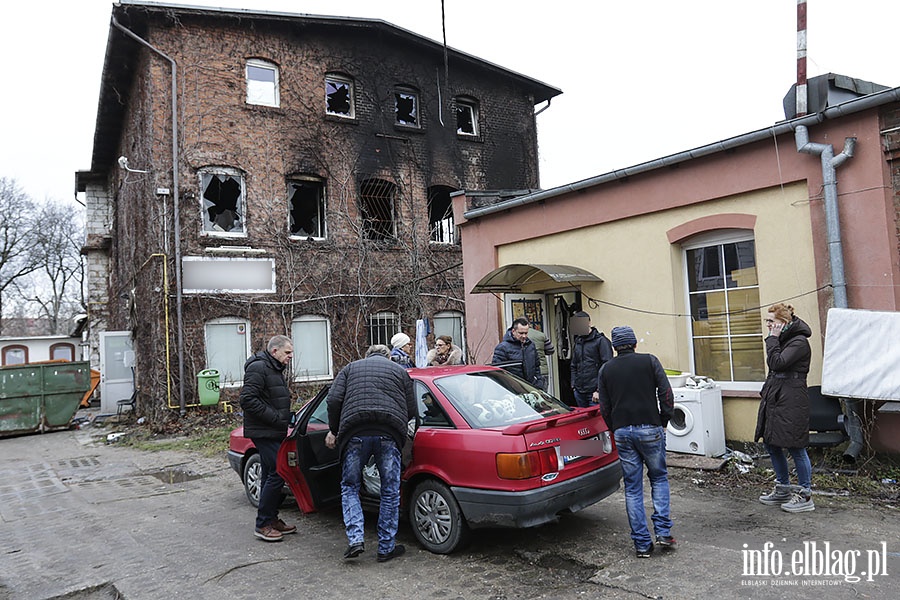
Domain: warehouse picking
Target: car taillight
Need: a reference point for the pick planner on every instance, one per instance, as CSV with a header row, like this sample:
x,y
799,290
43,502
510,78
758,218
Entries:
x,y
523,465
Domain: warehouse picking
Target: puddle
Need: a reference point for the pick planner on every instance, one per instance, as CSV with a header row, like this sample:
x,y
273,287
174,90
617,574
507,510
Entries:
x,y
174,475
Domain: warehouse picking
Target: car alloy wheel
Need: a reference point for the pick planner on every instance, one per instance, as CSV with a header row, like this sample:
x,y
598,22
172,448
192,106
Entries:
x,y
252,483
437,520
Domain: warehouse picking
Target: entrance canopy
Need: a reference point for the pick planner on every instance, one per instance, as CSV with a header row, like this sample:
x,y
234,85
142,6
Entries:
x,y
513,278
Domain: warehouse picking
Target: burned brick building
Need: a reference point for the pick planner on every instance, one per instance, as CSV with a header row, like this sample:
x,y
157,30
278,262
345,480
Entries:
x,y
261,173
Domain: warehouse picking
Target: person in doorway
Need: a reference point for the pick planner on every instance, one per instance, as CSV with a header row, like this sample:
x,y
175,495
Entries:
x,y
783,421
369,407
637,402
444,353
544,348
266,401
590,350
400,348
517,354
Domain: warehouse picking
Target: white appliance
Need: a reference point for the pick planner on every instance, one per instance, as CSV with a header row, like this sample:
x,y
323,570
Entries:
x,y
697,426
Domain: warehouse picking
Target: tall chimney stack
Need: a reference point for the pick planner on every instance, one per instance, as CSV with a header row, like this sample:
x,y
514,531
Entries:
x,y
801,58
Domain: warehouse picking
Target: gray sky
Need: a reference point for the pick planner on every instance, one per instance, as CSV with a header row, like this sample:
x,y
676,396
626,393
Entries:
x,y
640,80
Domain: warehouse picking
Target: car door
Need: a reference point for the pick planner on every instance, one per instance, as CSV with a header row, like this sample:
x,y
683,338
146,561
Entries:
x,y
311,469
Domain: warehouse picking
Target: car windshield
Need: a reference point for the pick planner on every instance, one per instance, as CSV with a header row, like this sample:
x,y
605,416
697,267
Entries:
x,y
496,398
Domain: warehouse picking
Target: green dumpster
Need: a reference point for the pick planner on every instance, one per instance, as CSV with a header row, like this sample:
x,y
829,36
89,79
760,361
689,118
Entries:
x,y
41,397
208,387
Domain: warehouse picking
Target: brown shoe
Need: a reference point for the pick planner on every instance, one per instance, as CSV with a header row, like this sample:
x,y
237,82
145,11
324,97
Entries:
x,y
283,527
268,534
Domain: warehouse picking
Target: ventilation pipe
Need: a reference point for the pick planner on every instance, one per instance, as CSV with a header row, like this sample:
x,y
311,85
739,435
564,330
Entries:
x,y
830,163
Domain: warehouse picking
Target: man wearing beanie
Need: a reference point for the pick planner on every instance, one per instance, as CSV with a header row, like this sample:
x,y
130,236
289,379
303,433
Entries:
x,y
636,401
400,345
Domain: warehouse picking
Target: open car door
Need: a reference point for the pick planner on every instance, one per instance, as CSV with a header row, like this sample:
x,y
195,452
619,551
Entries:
x,y
311,470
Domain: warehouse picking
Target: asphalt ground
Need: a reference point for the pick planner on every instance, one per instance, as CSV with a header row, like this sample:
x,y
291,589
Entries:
x,y
83,519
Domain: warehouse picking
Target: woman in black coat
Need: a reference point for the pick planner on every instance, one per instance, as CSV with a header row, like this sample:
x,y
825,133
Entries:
x,y
783,421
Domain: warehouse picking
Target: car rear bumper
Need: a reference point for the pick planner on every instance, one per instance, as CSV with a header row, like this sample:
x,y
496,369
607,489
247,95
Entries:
x,y
235,459
490,508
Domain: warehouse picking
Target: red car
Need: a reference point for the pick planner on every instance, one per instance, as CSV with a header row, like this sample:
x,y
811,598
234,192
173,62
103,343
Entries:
x,y
490,451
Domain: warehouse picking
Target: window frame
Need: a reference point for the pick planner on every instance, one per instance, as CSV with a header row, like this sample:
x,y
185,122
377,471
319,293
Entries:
x,y
458,340
402,90
259,63
719,239
447,223
322,205
207,225
368,217
296,371
239,322
473,106
351,88
60,345
12,347
390,325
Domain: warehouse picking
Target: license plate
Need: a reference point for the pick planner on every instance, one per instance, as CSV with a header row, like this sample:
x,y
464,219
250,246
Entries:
x,y
566,459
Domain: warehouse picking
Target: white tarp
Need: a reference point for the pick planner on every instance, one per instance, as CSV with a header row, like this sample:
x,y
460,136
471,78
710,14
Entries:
x,y
862,354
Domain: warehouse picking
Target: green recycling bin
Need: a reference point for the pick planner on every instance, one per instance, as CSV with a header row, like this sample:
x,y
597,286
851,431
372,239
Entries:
x,y
208,387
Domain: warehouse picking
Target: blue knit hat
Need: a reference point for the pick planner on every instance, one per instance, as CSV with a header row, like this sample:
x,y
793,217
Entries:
x,y
623,336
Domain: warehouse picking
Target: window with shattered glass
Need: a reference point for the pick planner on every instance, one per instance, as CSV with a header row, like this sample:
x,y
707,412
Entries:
x,y
222,201
441,229
306,207
376,205
466,117
339,96
262,83
406,108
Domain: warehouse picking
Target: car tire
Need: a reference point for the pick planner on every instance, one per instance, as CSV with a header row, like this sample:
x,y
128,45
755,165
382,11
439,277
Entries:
x,y
252,483
436,518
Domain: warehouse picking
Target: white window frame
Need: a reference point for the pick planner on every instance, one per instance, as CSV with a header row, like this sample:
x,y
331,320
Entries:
x,y
301,374
417,107
472,106
341,79
208,227
233,378
457,331
390,326
715,238
262,93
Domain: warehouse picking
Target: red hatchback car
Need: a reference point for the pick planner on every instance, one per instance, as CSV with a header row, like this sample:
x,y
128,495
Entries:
x,y
490,451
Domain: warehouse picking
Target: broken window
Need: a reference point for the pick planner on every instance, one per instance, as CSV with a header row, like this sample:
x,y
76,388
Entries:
x,y
441,229
406,107
466,116
306,205
222,198
382,327
262,82
376,204
339,96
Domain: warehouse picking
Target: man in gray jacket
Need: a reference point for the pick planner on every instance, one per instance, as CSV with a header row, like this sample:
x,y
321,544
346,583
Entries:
x,y
369,407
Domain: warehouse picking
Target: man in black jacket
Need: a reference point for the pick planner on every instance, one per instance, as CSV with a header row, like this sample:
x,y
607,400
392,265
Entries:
x,y
370,405
637,402
517,354
590,350
266,402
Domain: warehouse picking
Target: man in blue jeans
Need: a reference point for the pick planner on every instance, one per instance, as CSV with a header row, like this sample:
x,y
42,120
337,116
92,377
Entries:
x,y
370,405
636,401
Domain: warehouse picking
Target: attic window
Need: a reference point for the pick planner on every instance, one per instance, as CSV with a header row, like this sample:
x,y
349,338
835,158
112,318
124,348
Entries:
x,y
406,108
441,229
306,203
339,96
262,83
222,202
376,205
466,116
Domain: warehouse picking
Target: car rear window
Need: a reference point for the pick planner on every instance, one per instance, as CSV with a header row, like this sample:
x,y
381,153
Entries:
x,y
496,398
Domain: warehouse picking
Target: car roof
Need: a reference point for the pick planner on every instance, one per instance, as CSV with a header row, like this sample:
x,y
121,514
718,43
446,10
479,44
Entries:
x,y
432,373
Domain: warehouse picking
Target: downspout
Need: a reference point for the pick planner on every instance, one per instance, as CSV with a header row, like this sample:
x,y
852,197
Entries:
x,y
830,163
176,208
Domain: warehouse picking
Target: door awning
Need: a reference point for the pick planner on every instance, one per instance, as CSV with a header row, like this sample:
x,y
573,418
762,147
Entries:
x,y
513,278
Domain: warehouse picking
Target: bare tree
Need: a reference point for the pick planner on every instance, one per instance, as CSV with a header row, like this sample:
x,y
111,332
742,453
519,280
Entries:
x,y
17,240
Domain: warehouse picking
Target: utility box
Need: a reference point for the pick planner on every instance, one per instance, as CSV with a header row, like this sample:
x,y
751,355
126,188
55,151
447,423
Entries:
x,y
208,387
41,397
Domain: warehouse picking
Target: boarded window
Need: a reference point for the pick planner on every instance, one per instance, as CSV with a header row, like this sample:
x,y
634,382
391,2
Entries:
x,y
306,206
222,200
339,96
227,348
406,108
262,83
466,116
441,229
376,204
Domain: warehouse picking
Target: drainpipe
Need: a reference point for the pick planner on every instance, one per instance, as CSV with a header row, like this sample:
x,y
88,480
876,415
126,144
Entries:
x,y
176,208
830,163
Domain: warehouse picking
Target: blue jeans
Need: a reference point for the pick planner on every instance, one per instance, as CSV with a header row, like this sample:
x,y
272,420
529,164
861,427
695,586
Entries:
x,y
583,399
641,445
387,458
780,465
271,483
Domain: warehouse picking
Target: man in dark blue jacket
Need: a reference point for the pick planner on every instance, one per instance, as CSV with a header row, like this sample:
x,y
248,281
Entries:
x,y
370,405
590,350
517,354
266,402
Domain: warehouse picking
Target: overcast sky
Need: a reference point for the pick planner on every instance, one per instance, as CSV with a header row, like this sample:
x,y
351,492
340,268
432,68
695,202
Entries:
x,y
640,80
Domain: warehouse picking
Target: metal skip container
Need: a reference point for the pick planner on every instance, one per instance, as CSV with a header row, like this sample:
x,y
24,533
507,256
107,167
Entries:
x,y
41,397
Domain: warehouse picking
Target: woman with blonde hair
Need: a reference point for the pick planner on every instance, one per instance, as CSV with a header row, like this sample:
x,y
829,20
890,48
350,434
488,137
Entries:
x,y
444,353
783,421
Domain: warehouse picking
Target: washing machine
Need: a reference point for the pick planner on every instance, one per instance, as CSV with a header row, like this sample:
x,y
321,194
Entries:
x,y
697,426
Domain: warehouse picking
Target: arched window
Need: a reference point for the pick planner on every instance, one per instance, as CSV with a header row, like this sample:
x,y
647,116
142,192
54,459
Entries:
x,y
62,351
262,82
15,354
